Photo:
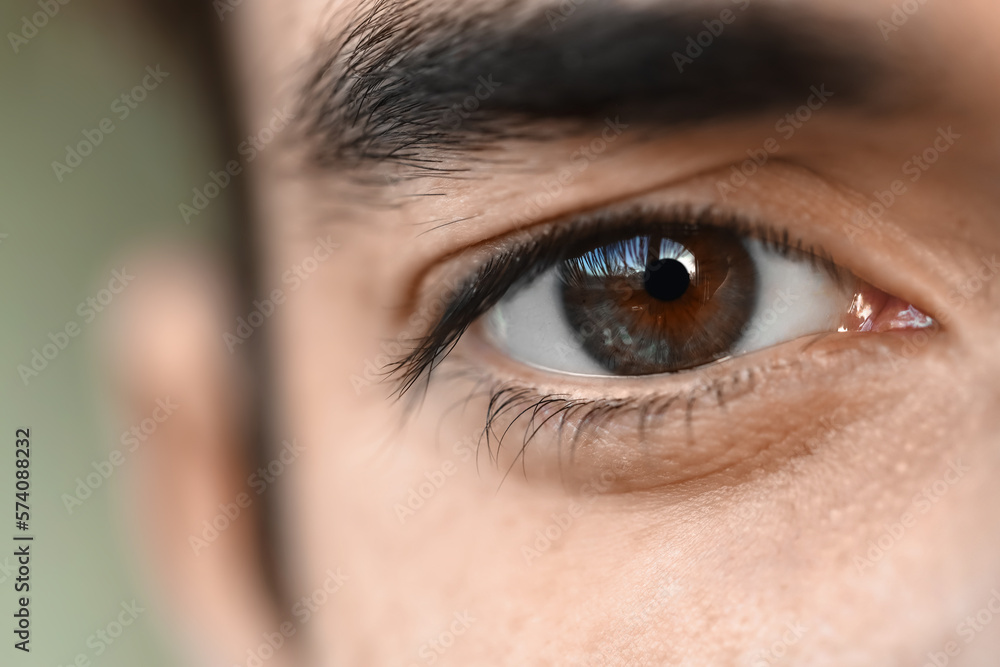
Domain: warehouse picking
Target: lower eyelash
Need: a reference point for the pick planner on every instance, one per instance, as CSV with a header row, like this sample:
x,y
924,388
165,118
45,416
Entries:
x,y
582,419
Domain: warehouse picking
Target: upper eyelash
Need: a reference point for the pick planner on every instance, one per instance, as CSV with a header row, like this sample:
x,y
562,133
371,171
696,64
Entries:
x,y
476,295
524,260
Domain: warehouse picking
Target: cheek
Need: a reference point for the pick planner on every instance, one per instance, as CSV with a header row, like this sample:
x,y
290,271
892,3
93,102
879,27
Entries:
x,y
420,532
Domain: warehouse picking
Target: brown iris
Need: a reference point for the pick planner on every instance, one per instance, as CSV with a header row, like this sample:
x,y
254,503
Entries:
x,y
660,302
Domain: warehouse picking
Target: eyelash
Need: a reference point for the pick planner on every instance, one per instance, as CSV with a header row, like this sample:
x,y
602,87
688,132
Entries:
x,y
584,416
521,261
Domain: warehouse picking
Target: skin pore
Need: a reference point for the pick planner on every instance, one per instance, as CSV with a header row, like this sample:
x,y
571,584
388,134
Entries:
x,y
826,500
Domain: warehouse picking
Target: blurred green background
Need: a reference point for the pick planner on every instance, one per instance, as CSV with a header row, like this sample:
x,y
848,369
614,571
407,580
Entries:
x,y
60,241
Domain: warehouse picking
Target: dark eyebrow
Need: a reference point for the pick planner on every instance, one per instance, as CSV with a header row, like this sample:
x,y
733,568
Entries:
x,y
410,84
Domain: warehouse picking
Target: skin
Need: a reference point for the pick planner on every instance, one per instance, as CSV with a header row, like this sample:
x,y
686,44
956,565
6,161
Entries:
x,y
741,536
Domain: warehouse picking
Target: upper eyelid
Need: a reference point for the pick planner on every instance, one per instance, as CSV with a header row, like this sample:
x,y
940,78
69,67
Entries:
x,y
812,203
774,234
697,213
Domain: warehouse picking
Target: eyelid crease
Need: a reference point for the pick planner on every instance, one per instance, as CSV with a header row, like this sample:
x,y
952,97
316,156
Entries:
x,y
534,252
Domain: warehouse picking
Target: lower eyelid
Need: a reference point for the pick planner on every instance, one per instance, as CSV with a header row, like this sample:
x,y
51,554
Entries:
x,y
689,418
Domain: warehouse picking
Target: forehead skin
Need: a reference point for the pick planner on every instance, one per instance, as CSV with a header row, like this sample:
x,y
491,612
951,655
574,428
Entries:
x,y
707,574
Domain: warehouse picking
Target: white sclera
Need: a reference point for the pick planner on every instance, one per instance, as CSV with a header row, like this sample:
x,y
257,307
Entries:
x,y
794,299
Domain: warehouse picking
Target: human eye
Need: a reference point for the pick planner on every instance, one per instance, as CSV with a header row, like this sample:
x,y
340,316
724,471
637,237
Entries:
x,y
646,291
617,334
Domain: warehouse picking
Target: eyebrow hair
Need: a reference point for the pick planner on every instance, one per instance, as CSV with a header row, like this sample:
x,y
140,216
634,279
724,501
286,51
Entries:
x,y
413,85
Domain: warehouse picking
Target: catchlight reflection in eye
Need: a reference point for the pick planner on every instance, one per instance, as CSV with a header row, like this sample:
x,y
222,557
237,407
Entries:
x,y
679,299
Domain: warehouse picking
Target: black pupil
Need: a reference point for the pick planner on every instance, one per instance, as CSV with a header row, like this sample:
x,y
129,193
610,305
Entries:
x,y
666,280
